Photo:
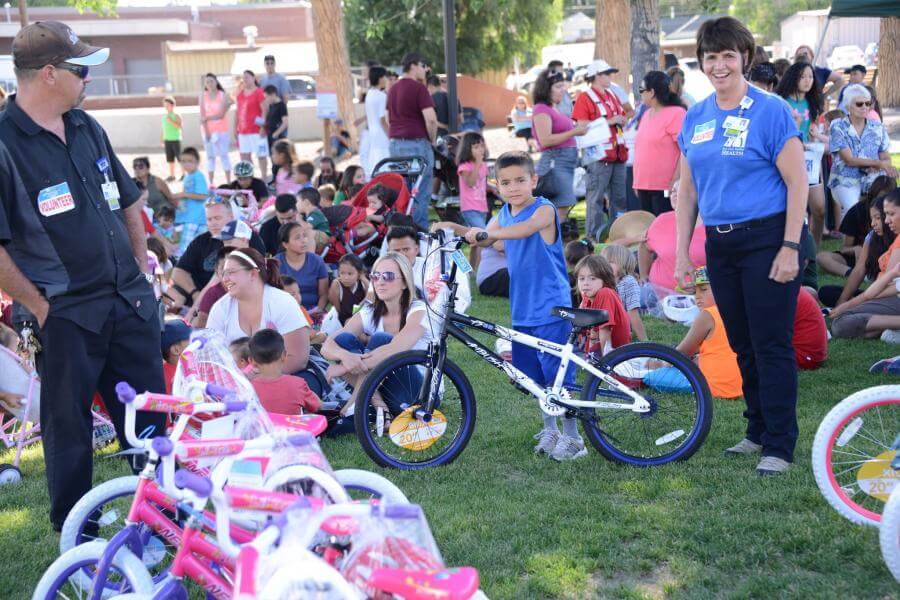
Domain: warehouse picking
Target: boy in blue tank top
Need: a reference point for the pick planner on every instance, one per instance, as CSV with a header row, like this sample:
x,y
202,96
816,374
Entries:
x,y
538,281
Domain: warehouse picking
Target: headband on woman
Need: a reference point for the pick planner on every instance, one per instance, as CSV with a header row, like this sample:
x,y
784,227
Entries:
x,y
244,257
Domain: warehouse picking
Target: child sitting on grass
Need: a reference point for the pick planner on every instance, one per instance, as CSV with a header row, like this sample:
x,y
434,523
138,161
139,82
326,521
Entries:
x,y
706,338
302,173
574,252
175,337
624,266
165,224
597,287
278,393
240,351
308,201
327,193
537,273
349,289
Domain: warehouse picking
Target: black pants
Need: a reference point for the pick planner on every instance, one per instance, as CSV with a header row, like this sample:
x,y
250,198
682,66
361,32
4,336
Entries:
x,y
496,285
654,201
758,314
73,365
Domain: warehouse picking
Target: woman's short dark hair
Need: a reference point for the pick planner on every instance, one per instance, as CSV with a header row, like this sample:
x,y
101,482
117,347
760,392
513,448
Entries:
x,y
790,84
375,75
726,33
661,85
540,94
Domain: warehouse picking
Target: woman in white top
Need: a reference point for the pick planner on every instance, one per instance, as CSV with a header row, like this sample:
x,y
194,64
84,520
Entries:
x,y
393,322
376,119
255,301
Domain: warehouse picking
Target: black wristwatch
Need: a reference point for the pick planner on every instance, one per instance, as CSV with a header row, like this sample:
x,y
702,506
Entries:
x,y
791,245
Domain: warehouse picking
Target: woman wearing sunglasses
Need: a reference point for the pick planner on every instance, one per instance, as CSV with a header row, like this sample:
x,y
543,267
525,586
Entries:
x,y
859,147
393,322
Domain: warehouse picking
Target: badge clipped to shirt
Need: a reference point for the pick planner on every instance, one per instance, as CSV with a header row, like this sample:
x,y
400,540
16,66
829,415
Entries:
x,y
55,200
110,188
734,126
704,132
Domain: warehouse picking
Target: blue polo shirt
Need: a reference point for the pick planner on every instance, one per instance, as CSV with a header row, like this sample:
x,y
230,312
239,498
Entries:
x,y
735,176
56,224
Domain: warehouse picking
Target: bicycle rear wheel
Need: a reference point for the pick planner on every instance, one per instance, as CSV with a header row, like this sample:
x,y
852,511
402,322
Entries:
x,y
680,406
889,534
387,426
851,453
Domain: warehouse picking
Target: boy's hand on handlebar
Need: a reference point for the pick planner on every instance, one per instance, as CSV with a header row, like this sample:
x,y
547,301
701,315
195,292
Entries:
x,y
472,234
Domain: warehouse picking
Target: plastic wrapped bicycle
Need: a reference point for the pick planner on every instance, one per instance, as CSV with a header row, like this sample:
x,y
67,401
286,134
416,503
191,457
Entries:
x,y
625,419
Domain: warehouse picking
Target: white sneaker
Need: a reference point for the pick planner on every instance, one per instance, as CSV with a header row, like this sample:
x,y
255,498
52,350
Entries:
x,y
891,336
771,465
568,449
547,440
745,446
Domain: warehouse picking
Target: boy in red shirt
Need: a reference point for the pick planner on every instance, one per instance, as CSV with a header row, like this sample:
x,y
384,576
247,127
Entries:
x,y
810,333
597,286
278,393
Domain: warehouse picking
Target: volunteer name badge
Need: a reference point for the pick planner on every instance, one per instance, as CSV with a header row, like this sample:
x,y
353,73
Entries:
x,y
735,125
704,132
110,188
55,200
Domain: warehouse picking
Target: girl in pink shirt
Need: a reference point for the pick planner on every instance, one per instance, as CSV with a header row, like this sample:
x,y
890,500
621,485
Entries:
x,y
284,157
472,173
656,152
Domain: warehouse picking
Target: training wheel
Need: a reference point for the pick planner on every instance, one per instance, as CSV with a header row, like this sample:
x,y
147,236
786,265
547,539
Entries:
x,y
9,474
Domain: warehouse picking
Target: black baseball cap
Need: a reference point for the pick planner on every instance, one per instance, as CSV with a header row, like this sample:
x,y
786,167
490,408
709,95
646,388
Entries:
x,y
411,58
859,68
51,43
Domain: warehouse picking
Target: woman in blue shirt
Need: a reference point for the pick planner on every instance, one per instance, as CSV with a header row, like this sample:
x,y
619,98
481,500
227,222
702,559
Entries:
x,y
307,268
743,168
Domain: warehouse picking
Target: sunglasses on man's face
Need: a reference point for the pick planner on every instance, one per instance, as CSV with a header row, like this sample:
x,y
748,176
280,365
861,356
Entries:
x,y
387,276
79,71
861,104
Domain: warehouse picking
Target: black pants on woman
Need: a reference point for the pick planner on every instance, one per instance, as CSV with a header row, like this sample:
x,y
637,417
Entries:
x,y
758,314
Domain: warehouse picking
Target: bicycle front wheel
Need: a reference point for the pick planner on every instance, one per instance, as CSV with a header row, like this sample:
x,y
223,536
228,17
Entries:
x,y
385,414
680,406
889,534
851,453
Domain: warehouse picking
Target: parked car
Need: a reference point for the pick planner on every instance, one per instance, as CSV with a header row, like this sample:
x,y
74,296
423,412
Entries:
x,y
525,80
845,56
302,87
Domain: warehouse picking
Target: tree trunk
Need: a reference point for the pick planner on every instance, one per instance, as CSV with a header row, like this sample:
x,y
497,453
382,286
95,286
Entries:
x,y
644,40
888,91
334,61
613,37
23,13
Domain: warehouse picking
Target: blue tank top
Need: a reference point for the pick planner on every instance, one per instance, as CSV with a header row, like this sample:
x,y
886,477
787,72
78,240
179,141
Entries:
x,y
537,271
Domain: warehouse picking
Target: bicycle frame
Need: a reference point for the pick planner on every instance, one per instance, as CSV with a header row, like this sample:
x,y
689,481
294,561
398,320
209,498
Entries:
x,y
555,396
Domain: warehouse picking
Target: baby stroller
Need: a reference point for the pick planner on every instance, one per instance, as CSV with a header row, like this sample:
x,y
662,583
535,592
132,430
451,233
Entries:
x,y
342,219
21,428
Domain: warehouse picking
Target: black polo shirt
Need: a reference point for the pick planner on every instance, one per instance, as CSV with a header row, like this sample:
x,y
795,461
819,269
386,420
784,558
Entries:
x,y
60,230
199,258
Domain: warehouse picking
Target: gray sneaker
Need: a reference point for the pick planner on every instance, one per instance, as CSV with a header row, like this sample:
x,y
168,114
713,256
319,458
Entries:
x,y
771,465
547,440
568,449
891,336
745,446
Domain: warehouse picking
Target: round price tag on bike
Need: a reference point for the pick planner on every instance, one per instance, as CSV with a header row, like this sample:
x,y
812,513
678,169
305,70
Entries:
x,y
877,478
406,431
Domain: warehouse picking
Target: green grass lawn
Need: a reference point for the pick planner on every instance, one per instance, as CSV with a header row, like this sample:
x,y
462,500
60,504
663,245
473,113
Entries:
x,y
707,528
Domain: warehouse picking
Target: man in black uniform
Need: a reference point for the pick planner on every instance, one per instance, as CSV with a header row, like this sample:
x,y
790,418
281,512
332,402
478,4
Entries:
x,y
74,255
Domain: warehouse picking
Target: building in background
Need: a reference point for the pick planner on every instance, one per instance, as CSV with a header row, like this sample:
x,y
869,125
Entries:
x,y
148,44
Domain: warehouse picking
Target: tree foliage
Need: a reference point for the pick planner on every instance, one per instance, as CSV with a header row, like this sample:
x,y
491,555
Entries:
x,y
103,8
489,33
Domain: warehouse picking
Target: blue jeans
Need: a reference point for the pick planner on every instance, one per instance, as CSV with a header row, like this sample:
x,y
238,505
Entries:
x,y
422,148
400,389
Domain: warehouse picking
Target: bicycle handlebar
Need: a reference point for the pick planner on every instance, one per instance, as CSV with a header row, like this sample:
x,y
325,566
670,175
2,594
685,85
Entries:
x,y
201,486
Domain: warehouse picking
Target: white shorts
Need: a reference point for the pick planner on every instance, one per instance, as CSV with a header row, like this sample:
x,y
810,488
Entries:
x,y
253,143
217,146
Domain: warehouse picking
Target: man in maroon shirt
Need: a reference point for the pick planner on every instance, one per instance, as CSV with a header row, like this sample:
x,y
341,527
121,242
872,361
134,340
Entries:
x,y
412,126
